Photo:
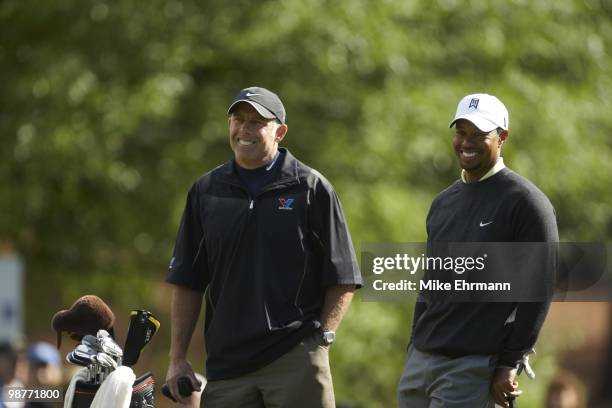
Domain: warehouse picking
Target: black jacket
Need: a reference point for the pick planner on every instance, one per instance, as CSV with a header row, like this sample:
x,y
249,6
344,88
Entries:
x,y
265,261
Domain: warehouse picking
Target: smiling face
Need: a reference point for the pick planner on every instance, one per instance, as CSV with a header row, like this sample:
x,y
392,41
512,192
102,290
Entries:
x,y
253,138
477,151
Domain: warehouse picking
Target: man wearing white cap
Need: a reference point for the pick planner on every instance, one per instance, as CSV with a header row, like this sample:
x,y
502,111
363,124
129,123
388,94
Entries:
x,y
466,354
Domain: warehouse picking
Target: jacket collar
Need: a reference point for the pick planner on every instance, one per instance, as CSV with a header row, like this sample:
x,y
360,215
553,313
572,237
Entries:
x,y
287,174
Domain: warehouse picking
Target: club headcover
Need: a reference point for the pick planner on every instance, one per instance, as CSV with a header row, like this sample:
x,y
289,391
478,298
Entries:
x,y
143,326
86,316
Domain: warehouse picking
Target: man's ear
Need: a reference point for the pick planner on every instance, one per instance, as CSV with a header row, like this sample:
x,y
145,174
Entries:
x,y
281,131
503,137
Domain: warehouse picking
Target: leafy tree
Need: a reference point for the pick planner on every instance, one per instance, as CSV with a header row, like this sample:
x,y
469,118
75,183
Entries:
x,y
110,110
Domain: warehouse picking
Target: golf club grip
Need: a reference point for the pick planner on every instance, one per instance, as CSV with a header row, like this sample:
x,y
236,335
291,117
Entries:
x,y
512,402
166,391
184,388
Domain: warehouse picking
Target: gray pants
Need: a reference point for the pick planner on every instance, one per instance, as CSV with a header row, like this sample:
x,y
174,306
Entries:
x,y
436,381
299,379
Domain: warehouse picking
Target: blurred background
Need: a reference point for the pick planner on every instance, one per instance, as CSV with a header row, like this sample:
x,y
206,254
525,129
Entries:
x,y
109,110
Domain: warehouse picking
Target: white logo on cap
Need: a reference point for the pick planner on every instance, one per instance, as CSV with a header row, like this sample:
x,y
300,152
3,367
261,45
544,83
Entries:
x,y
252,94
485,111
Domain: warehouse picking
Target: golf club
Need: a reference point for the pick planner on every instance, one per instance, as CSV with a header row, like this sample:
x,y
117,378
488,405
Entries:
x,y
105,360
90,341
102,333
71,359
143,326
185,388
83,353
111,348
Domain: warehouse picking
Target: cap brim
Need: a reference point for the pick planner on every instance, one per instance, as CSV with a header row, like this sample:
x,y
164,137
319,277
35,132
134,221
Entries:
x,y
478,121
259,108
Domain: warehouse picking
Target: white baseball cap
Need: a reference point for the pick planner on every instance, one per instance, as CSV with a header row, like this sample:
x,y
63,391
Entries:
x,y
483,110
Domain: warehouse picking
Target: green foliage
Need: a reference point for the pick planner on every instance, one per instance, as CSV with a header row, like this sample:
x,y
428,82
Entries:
x,y
110,110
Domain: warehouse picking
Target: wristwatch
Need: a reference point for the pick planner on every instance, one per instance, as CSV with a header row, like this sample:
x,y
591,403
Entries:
x,y
328,337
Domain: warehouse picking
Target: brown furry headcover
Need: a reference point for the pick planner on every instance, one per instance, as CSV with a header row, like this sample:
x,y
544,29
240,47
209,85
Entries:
x,y
86,316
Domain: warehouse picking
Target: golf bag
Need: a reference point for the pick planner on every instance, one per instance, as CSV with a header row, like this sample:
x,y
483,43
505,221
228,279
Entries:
x,y
107,371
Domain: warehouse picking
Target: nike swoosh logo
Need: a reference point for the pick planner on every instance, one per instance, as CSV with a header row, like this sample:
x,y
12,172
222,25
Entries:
x,y
252,94
484,224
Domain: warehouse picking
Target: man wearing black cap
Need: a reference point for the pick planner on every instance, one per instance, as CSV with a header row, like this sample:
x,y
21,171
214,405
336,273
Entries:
x,y
466,354
263,239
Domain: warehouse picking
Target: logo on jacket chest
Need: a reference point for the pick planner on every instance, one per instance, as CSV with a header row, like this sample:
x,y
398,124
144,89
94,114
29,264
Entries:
x,y
285,203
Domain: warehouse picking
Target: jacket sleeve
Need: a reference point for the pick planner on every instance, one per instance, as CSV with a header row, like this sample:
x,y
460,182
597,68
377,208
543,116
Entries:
x,y
188,265
535,221
331,234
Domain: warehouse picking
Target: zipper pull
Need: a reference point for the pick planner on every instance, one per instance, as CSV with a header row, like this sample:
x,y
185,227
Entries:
x,y
250,211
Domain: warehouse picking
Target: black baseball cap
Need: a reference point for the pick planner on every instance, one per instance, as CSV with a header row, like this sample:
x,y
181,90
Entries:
x,y
267,103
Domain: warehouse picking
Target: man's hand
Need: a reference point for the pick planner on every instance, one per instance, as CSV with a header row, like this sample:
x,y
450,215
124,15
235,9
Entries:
x,y
184,311
177,369
504,385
